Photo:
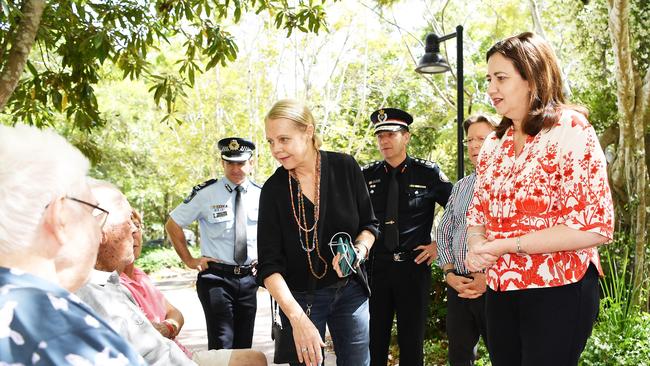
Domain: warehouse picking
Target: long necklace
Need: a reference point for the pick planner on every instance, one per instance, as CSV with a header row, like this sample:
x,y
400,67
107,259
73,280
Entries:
x,y
300,218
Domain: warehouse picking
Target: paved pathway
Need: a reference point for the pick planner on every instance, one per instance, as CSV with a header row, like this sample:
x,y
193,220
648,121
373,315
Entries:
x,y
179,288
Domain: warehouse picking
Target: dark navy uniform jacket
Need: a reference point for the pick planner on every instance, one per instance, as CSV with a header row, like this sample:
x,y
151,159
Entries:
x,y
421,185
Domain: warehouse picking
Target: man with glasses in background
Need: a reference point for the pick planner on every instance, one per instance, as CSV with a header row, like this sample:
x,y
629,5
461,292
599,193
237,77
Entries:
x,y
50,229
465,300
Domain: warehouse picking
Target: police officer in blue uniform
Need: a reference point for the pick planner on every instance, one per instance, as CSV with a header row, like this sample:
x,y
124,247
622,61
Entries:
x,y
226,210
404,192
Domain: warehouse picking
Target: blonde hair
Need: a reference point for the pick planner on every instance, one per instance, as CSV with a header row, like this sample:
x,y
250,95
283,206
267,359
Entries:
x,y
297,112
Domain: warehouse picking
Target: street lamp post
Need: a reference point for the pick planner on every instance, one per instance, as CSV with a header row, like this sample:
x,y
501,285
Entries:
x,y
432,62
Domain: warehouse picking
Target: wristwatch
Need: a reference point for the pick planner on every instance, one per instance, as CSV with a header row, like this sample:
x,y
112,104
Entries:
x,y
448,271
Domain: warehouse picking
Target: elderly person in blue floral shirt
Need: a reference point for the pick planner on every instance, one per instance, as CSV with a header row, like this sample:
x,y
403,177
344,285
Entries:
x,y
50,228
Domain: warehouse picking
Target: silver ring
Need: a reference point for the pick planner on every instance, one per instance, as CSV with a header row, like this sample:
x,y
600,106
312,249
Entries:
x,y
304,349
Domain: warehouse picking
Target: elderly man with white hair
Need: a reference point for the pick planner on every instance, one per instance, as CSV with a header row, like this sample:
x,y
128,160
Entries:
x,y
50,229
115,303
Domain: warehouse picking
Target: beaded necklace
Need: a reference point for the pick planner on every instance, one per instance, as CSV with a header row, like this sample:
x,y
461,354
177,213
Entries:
x,y
300,218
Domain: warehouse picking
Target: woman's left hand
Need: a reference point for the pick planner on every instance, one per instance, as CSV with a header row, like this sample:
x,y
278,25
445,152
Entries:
x,y
335,265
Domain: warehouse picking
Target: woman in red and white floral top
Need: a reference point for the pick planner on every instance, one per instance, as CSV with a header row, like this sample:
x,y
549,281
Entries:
x,y
541,206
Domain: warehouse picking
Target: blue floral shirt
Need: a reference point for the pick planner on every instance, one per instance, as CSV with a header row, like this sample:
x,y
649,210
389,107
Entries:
x,y
43,324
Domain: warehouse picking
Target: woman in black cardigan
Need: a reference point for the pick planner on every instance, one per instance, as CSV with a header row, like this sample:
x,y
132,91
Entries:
x,y
313,197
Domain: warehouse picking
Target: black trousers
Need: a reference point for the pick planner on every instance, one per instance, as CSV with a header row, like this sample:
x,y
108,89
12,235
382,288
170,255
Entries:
x,y
465,323
400,288
544,326
229,304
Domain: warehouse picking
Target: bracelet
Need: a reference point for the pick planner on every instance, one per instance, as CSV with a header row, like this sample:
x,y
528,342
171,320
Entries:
x,y
363,244
448,271
170,327
519,250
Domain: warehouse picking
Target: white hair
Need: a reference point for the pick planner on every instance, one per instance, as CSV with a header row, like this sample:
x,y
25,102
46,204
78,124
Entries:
x,y
36,167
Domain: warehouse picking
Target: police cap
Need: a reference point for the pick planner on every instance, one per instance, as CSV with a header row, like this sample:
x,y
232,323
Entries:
x,y
236,149
390,119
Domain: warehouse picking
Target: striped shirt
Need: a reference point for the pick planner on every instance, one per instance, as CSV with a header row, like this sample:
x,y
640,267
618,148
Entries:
x,y
452,230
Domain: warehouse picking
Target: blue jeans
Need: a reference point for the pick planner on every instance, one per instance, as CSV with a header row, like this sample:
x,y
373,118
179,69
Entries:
x,y
344,308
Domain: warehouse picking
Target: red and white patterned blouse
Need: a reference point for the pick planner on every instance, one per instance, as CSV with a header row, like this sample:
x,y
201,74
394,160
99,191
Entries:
x,y
560,177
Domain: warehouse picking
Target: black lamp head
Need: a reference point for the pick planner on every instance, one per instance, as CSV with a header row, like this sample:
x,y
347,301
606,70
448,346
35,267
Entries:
x,y
432,61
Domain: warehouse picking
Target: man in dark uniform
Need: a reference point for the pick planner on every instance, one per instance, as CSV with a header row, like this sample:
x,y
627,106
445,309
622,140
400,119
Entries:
x,y
404,192
227,214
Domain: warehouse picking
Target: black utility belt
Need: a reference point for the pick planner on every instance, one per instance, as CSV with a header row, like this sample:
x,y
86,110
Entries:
x,y
231,269
399,256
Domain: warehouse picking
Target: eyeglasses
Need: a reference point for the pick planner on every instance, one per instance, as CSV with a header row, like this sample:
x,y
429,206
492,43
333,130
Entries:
x,y
98,213
472,140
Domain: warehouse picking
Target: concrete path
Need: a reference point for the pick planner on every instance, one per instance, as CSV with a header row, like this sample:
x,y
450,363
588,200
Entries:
x,y
179,289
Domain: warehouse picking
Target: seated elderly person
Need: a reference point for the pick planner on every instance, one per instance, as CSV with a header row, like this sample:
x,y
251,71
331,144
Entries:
x,y
50,229
114,302
164,316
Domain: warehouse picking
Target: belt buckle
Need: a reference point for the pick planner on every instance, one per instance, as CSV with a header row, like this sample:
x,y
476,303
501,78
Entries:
x,y
397,257
237,270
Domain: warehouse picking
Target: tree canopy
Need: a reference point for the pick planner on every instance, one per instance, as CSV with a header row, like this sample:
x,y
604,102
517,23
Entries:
x,y
76,38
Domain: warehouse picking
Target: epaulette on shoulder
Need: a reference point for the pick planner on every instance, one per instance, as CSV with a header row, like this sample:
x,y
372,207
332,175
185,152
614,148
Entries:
x,y
256,184
425,163
432,167
370,165
199,187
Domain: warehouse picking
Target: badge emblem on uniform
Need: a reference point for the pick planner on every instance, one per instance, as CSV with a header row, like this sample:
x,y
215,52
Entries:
x,y
233,145
382,116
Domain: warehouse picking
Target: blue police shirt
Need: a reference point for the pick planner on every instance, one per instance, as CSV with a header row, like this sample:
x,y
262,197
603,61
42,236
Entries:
x,y
213,205
43,324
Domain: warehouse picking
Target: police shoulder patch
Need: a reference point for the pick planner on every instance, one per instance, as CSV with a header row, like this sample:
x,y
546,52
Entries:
x,y
370,165
197,188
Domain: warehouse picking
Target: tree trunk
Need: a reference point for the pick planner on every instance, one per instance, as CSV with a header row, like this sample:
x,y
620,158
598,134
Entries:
x,y
21,44
537,22
630,169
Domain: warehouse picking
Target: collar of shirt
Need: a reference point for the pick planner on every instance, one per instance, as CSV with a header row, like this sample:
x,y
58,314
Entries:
x,y
137,277
228,184
101,278
21,278
402,166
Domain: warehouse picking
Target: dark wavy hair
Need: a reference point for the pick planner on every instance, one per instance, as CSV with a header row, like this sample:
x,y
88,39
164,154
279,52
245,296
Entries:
x,y
536,62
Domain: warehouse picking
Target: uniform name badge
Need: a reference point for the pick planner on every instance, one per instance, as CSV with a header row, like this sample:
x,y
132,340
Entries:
x,y
220,213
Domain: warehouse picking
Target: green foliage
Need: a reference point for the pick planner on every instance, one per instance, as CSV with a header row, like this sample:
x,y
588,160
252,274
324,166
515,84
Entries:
x,y
77,37
622,334
436,348
435,351
607,347
593,78
436,319
617,285
153,259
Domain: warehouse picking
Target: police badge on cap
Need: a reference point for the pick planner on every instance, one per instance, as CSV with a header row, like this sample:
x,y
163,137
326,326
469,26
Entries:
x,y
390,119
236,149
